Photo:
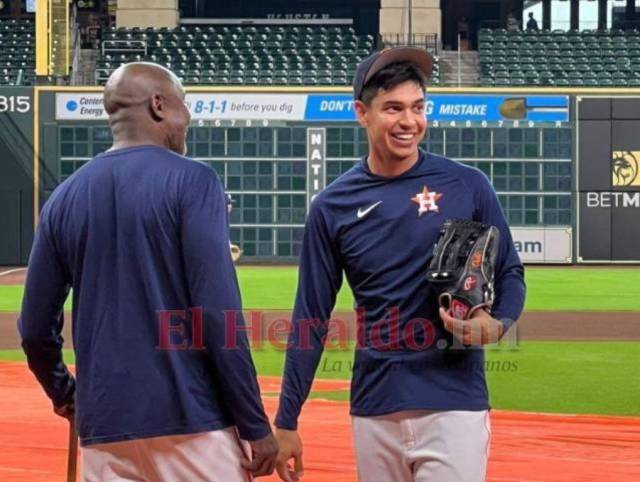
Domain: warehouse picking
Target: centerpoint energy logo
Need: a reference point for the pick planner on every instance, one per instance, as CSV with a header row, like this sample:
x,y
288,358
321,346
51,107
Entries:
x,y
624,168
80,106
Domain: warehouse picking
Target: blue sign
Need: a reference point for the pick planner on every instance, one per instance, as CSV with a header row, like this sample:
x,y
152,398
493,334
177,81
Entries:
x,y
458,108
330,107
496,108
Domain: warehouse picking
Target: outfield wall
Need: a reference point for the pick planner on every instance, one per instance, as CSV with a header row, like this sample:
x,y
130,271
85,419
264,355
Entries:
x,y
275,148
16,175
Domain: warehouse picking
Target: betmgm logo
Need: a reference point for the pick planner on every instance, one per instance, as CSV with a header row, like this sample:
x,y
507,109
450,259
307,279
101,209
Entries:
x,y
624,174
624,168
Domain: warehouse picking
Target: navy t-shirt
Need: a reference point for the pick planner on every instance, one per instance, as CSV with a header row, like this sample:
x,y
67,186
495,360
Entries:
x,y
135,233
380,233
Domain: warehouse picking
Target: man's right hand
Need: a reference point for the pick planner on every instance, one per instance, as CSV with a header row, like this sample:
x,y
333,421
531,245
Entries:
x,y
68,410
290,448
263,456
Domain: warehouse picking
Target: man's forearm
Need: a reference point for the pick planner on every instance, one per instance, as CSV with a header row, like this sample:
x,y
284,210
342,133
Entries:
x,y
300,369
44,357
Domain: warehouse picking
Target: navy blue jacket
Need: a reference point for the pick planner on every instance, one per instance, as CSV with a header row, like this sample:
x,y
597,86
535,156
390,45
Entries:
x,y
136,232
380,232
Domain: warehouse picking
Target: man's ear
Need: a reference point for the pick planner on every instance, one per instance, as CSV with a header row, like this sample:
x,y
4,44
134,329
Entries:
x,y
158,107
361,112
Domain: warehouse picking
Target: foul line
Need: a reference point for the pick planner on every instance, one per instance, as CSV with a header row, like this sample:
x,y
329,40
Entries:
x,y
11,271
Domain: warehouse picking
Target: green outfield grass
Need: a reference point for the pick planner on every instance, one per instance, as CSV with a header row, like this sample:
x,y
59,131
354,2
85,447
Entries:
x,y
558,377
10,297
549,289
561,377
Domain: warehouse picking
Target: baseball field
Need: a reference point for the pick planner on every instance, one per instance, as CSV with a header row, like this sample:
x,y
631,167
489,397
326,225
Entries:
x,y
565,391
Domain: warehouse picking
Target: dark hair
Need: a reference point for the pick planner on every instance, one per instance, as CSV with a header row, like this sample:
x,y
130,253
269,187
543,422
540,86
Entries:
x,y
390,76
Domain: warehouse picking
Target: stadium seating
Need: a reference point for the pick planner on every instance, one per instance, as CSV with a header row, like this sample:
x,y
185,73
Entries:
x,y
238,55
17,52
591,58
242,55
211,55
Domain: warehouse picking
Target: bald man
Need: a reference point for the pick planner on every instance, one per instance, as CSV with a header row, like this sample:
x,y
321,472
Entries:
x,y
165,388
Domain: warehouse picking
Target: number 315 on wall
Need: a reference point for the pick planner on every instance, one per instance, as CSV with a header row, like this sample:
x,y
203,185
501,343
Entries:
x,y
15,103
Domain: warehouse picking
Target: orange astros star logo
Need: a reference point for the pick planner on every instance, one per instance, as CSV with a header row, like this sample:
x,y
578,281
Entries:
x,y
426,201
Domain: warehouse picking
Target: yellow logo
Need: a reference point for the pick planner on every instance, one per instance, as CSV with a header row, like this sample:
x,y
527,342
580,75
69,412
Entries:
x,y
624,168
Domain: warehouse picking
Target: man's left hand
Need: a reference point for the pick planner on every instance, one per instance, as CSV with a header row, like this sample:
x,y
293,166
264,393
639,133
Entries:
x,y
480,329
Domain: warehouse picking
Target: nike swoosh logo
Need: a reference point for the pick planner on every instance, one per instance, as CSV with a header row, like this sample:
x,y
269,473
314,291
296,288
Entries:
x,y
363,212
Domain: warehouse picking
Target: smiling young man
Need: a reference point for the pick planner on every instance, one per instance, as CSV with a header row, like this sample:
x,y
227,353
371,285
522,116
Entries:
x,y
419,399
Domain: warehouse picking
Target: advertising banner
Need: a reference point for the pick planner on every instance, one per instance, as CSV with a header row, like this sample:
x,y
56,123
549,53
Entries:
x,y
544,245
483,110
608,179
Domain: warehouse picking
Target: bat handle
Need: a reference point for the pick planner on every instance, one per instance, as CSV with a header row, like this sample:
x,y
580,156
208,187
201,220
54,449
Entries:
x,y
72,460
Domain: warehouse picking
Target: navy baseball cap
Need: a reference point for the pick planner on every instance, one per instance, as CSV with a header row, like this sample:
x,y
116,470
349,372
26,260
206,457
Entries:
x,y
377,61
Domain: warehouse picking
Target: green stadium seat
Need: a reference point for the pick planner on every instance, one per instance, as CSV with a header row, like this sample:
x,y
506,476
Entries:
x,y
590,75
610,67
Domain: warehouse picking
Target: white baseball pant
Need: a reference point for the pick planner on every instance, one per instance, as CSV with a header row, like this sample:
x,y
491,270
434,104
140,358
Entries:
x,y
423,446
203,457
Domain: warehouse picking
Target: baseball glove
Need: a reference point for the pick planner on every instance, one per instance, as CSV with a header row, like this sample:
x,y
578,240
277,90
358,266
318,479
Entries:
x,y
462,266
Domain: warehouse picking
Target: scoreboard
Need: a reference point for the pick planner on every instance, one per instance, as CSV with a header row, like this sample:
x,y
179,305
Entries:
x,y
276,149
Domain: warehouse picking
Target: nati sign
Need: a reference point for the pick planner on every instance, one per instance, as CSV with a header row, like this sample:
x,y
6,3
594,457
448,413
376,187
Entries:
x,y
316,156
